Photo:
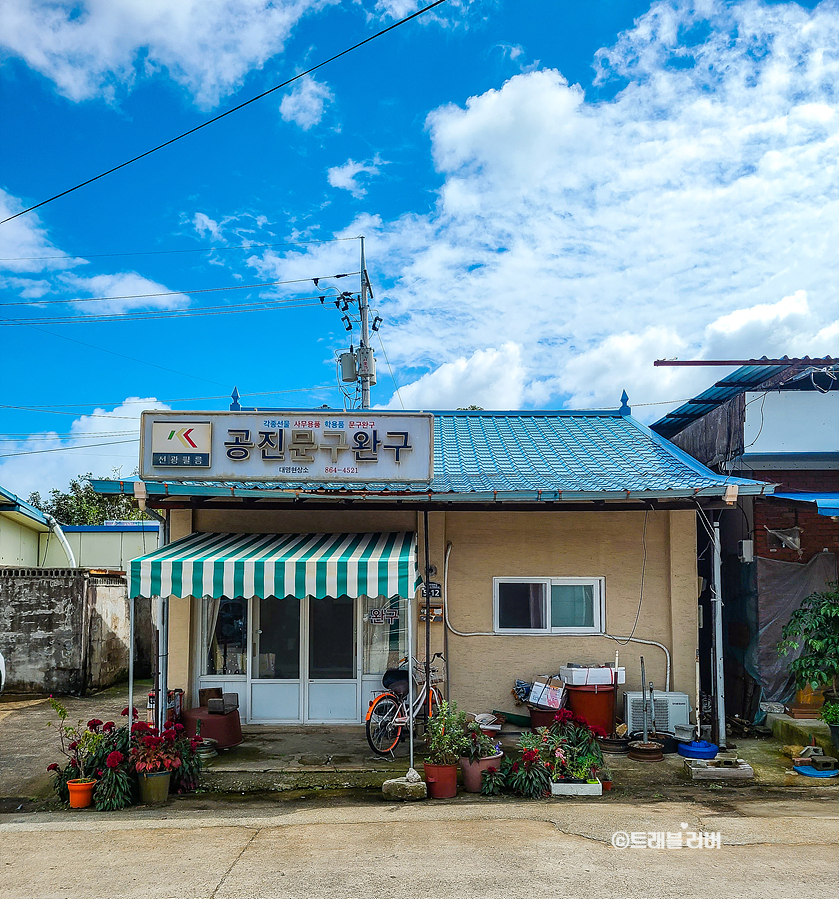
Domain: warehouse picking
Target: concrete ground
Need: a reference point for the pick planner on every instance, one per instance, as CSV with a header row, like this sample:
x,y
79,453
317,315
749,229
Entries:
x,y
209,848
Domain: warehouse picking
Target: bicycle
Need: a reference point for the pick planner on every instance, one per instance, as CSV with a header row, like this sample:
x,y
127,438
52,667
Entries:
x,y
388,712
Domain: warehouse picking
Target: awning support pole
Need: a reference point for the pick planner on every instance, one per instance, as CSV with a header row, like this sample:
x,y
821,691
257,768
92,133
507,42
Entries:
x,y
130,666
427,579
410,606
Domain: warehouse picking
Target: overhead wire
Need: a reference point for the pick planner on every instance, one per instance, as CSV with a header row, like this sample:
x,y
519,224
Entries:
x,y
244,246
60,449
174,293
228,112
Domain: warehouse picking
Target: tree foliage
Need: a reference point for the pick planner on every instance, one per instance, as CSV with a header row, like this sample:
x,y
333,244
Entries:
x,y
814,628
81,504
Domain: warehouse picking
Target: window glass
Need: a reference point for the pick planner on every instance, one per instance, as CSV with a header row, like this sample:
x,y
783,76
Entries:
x,y
225,636
385,633
332,638
521,606
279,639
572,605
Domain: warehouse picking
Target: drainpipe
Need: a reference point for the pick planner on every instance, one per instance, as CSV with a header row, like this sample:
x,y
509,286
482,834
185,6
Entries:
x,y
55,527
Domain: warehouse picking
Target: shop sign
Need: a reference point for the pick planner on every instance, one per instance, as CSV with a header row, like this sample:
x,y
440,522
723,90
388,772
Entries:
x,y
353,447
382,616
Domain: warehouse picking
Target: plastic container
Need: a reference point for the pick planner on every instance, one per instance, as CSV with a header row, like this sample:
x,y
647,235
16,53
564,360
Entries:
x,y
595,703
698,749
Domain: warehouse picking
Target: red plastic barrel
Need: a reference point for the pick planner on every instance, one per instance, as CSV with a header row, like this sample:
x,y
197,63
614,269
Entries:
x,y
594,702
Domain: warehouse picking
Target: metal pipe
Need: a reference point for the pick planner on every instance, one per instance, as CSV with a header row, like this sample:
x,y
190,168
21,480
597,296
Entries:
x,y
130,666
410,682
719,662
427,616
55,527
644,694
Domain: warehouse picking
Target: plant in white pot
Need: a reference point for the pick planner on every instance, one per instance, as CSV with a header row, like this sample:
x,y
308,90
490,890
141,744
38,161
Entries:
x,y
479,753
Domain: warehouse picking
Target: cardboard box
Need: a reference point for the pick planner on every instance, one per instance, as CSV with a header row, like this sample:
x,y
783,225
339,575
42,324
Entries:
x,y
579,677
547,693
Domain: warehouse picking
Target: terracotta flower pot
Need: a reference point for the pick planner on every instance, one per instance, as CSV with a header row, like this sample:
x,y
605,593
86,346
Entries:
x,y
154,787
473,771
81,793
441,780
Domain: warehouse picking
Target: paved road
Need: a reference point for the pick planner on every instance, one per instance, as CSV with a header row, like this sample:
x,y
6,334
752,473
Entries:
x,y
206,849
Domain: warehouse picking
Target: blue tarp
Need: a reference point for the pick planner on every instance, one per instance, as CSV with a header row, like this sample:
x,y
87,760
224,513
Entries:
x,y
826,503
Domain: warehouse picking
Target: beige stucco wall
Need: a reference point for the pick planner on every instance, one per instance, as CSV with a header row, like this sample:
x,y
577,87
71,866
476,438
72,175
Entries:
x,y
18,543
497,544
565,544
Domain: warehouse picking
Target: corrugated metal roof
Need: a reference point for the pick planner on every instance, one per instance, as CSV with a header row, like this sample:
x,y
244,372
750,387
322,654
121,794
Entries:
x,y
520,456
745,378
14,505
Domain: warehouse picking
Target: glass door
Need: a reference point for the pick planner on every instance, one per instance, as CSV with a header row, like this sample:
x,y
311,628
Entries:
x,y
276,685
332,660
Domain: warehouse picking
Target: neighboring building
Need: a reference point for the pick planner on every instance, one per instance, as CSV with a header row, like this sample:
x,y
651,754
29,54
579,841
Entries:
x,y
64,626
297,537
779,424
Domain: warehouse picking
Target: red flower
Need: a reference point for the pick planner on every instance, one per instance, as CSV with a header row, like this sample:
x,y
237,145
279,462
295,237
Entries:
x,y
114,759
491,770
99,772
140,727
108,726
578,719
52,767
124,713
179,728
529,756
563,715
73,746
597,730
94,724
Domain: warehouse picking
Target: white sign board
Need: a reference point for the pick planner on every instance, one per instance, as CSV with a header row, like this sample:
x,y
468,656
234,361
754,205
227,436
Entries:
x,y
791,421
323,446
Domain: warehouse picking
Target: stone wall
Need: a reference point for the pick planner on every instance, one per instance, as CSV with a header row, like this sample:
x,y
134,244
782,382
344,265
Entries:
x,y
64,630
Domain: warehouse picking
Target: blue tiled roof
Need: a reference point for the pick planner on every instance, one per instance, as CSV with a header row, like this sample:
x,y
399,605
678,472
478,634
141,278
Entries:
x,y
521,456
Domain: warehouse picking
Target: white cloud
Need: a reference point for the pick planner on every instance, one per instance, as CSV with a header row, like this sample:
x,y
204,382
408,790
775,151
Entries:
x,y
205,226
491,378
345,176
25,467
306,102
133,289
24,242
208,46
687,215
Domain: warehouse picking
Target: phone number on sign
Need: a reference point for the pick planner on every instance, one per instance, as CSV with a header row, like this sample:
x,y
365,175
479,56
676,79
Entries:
x,y
332,469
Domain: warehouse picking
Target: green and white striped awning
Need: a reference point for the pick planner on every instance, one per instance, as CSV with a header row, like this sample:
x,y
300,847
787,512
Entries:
x,y
279,565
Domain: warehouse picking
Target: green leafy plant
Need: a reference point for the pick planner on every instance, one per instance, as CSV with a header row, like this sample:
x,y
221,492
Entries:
x,y
78,743
570,747
529,776
493,781
814,629
115,789
152,751
476,744
444,735
830,713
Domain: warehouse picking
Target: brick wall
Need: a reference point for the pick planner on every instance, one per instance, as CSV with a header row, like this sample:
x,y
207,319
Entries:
x,y
817,531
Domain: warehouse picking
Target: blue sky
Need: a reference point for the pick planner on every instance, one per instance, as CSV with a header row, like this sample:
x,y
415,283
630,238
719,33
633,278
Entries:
x,y
553,195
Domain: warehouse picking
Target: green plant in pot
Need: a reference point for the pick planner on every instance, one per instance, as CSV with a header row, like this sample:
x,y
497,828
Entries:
x,y
479,753
155,756
813,629
79,744
830,716
444,747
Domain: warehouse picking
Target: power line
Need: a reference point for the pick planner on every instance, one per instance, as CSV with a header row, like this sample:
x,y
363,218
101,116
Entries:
x,y
244,246
175,293
67,449
277,87
179,399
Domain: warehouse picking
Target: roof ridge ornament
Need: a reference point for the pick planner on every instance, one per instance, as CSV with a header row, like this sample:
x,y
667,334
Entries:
x,y
234,405
624,409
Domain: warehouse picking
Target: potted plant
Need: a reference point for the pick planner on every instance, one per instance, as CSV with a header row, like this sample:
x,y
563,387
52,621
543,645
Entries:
x,y
813,629
529,775
574,755
444,742
479,753
74,783
830,716
154,756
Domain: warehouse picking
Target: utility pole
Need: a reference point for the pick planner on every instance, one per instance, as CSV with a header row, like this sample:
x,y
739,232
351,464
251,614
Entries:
x,y
366,366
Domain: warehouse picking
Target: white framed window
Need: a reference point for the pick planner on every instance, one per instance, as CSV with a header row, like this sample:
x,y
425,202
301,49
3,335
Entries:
x,y
548,605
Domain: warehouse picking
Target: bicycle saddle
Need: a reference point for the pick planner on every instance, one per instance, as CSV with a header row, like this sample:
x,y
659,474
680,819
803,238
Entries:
x,y
396,680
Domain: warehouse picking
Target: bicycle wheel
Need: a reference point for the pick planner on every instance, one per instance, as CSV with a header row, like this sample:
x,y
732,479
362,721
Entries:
x,y
382,733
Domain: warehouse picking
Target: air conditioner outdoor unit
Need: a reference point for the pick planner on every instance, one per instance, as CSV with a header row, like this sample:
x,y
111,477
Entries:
x,y
671,709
